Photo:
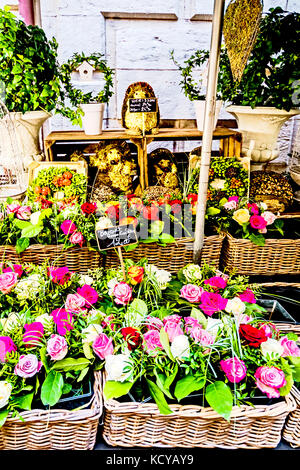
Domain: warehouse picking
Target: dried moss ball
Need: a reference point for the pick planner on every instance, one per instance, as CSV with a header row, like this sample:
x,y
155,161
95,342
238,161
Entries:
x,y
271,188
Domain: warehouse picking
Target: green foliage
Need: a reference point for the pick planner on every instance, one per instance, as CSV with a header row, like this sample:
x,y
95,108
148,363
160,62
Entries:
x,y
52,388
219,397
188,385
114,389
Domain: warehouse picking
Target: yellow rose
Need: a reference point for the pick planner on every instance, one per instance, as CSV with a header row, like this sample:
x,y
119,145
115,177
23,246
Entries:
x,y
241,216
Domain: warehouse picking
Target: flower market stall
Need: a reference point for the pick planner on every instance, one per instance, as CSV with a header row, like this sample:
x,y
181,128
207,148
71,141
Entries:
x,y
149,275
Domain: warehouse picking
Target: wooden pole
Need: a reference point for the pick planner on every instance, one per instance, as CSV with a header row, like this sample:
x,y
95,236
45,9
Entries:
x,y
210,104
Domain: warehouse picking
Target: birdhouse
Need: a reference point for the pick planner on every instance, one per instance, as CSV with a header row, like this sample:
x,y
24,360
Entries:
x,y
86,71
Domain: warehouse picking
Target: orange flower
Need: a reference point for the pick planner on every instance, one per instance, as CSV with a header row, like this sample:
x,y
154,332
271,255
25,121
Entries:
x,y
136,274
129,220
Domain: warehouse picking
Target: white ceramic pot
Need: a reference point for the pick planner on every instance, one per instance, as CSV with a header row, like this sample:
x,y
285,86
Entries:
x,y
200,108
93,118
260,129
28,127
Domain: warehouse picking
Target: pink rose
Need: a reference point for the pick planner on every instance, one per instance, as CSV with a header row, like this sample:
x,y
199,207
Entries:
x,y
269,217
234,198
12,208
8,282
153,323
63,320
269,380
122,293
28,366
152,342
68,227
269,329
190,324
23,213
201,336
253,208
74,303
33,334
191,293
103,346
6,346
230,205
234,369
290,347
77,238
108,322
212,302
247,296
17,268
258,222
217,282
57,347
59,275
263,230
89,294
172,326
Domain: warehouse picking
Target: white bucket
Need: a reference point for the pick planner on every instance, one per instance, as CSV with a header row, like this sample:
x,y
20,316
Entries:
x,y
200,108
93,118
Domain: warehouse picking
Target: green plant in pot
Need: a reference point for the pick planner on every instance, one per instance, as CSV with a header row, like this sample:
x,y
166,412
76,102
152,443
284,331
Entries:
x,y
29,77
267,94
89,106
193,78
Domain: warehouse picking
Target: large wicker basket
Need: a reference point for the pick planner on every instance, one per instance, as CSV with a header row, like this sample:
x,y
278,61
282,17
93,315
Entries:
x,y
75,258
275,257
141,424
291,431
173,256
54,429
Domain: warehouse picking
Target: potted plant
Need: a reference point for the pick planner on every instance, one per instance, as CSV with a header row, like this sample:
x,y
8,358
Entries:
x,y
194,88
30,77
266,96
90,107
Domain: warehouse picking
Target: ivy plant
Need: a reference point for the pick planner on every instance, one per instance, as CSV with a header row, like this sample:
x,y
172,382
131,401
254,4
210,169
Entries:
x,y
29,69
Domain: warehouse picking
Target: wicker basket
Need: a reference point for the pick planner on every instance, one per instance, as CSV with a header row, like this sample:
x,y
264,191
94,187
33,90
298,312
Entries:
x,y
173,256
140,424
275,257
54,429
291,431
75,258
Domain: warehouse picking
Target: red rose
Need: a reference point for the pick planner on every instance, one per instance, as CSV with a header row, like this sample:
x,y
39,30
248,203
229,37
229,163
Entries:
x,y
45,204
150,213
193,198
132,336
175,206
113,212
89,208
252,335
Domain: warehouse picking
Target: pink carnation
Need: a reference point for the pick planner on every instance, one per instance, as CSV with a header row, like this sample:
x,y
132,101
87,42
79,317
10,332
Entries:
x,y
290,347
269,380
191,293
212,302
253,208
234,369
89,294
217,282
68,227
17,268
152,342
6,346
248,296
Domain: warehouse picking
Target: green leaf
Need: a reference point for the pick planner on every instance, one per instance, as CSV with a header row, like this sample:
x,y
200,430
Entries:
x,y
166,238
213,211
136,312
113,389
3,416
295,367
71,364
219,397
164,339
82,374
23,402
257,239
22,223
87,351
159,398
202,319
66,389
31,231
52,388
160,382
22,244
130,247
156,228
43,355
170,379
188,385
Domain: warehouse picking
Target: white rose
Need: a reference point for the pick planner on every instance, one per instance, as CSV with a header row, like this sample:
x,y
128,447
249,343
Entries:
x,y
5,392
235,306
218,183
111,285
115,365
91,333
34,218
271,349
85,279
103,223
180,347
192,272
269,217
213,325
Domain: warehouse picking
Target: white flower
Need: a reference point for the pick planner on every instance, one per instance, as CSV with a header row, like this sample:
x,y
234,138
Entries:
x,y
213,325
235,306
85,279
5,392
180,347
12,321
103,222
163,277
91,333
271,349
263,206
34,218
192,273
269,217
69,212
111,285
29,287
218,183
230,205
115,365
46,320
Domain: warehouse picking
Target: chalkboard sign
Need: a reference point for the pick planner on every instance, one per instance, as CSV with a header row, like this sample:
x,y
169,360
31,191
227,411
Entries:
x,y
143,105
114,237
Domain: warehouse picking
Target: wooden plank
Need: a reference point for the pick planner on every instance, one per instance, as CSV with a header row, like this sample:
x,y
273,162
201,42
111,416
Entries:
x,y
118,15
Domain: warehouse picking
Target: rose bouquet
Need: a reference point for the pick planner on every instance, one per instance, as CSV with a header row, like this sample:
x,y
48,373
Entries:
x,y
47,223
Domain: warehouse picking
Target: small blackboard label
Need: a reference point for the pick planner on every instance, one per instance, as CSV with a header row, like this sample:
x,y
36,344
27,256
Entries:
x,y
143,105
114,237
